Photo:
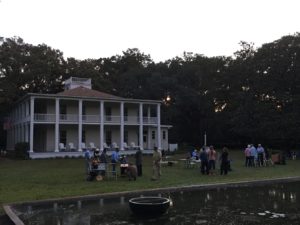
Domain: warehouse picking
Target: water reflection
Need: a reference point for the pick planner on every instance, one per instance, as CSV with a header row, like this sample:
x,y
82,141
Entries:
x,y
293,197
101,202
78,204
273,204
55,206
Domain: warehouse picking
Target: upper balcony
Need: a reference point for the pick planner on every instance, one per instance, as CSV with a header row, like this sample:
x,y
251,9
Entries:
x,y
93,119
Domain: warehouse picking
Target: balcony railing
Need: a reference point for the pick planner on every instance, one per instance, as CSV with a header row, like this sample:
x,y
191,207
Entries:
x,y
112,119
68,117
131,119
38,117
149,120
93,119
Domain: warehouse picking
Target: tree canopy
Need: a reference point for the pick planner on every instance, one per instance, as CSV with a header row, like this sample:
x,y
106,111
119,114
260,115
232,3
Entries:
x,y
252,97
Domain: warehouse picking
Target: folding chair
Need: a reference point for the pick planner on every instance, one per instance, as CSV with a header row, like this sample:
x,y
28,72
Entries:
x,y
105,146
133,146
125,146
83,147
92,146
62,147
71,146
115,145
268,162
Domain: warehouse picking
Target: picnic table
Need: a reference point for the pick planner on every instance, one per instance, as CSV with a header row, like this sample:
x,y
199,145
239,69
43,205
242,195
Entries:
x,y
190,163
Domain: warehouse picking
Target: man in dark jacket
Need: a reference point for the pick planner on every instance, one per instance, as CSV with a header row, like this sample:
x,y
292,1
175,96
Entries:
x,y
224,161
138,162
204,162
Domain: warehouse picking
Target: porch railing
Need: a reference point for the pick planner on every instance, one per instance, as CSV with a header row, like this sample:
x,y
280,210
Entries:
x,y
91,118
38,117
149,120
68,117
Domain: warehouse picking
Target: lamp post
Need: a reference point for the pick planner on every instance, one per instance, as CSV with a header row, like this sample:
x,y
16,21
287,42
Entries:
x,y
205,138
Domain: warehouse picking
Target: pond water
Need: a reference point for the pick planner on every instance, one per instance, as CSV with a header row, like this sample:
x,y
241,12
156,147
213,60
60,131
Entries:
x,y
256,204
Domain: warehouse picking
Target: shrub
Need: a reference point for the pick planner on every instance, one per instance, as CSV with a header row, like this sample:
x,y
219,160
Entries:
x,y
21,150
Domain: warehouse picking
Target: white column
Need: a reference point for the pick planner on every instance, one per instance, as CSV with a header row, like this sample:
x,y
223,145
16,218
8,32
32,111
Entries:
x,y
149,131
56,134
31,124
122,126
101,125
141,127
79,125
158,128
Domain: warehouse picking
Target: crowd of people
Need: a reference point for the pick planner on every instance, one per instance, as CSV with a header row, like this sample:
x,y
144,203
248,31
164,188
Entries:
x,y
94,159
208,158
97,164
256,157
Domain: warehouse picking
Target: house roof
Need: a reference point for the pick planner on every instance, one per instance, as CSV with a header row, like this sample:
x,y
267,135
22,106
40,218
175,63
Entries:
x,y
86,92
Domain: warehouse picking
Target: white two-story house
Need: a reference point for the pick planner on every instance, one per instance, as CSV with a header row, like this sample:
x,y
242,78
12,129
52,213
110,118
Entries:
x,y
66,123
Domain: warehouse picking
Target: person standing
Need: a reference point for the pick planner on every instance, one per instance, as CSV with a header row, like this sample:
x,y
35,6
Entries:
x,y
204,162
224,161
253,156
114,159
87,156
94,172
103,159
123,165
156,164
138,161
260,152
248,156
212,155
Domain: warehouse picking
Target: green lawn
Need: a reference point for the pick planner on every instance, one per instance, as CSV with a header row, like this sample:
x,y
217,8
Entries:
x,y
24,180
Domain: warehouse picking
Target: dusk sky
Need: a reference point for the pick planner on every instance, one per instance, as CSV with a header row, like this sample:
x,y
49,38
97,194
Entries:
x,y
162,28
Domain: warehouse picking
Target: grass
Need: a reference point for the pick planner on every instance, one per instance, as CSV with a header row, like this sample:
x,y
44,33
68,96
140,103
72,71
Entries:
x,y
27,180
